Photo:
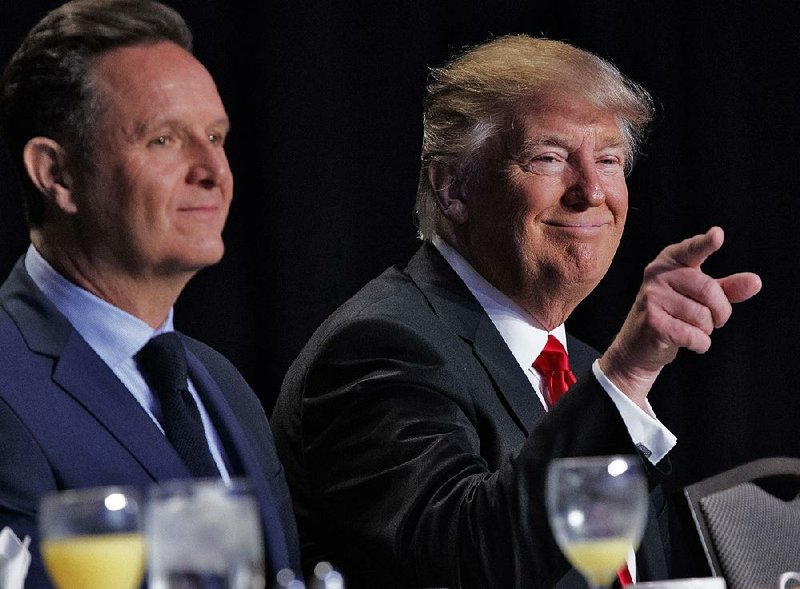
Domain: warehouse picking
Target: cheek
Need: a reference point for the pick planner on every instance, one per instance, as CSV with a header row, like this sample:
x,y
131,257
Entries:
x,y
227,188
617,198
146,180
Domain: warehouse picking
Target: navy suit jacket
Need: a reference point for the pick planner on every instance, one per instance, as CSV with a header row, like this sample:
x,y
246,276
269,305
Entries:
x,y
416,449
66,421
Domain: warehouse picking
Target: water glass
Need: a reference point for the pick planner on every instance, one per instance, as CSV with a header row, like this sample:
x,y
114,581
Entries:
x,y
204,534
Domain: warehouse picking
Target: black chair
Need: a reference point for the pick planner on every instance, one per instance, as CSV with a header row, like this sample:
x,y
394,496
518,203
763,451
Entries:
x,y
748,521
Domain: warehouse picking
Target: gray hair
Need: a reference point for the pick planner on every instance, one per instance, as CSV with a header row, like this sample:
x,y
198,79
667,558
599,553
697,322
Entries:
x,y
46,89
474,98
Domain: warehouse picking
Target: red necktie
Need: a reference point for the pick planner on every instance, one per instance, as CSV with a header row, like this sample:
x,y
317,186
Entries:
x,y
553,365
624,576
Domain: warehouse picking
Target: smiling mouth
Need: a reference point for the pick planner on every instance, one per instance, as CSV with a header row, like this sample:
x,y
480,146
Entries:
x,y
586,225
201,214
210,208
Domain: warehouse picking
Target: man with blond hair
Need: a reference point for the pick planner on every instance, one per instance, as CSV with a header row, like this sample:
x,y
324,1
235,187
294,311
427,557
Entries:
x,y
417,424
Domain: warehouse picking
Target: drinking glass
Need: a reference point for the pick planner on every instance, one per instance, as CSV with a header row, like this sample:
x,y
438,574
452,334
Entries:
x,y
92,538
204,534
597,507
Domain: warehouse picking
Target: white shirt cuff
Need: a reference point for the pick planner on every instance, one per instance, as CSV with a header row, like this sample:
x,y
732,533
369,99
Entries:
x,y
652,438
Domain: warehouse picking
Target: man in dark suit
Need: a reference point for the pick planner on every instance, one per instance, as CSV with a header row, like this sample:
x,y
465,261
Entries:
x,y
417,424
119,132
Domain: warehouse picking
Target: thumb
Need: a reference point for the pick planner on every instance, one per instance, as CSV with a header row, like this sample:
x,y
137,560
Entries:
x,y
741,286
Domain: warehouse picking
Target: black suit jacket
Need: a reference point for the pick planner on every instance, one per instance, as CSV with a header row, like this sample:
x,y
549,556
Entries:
x,y
66,421
416,448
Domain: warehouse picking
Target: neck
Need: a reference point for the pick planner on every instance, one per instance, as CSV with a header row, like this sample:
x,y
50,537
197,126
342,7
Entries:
x,y
147,296
548,306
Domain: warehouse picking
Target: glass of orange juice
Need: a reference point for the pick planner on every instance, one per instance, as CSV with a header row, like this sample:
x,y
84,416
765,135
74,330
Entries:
x,y
92,538
597,508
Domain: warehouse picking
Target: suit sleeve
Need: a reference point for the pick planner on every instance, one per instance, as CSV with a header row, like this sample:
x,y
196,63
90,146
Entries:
x,y
24,477
397,486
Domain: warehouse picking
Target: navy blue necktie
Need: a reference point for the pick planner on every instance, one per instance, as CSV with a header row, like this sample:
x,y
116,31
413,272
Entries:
x,y
162,362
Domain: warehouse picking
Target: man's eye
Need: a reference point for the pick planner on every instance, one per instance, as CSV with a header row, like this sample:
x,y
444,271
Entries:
x,y
216,138
161,140
610,163
544,163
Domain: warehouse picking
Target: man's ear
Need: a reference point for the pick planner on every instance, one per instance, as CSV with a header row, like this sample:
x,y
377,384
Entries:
x,y
449,191
46,163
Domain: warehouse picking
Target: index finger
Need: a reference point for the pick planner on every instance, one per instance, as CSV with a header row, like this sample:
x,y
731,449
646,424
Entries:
x,y
692,252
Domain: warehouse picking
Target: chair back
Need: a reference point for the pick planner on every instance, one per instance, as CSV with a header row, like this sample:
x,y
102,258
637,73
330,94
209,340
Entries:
x,y
748,521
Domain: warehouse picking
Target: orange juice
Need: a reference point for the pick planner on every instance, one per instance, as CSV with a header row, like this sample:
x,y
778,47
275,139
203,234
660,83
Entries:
x,y
598,560
107,561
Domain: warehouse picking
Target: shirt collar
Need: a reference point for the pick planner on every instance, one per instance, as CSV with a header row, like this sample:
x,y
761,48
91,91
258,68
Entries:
x,y
524,336
116,336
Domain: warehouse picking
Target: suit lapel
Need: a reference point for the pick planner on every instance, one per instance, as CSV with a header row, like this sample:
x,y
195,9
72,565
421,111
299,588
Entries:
x,y
84,376
511,383
241,454
454,304
80,373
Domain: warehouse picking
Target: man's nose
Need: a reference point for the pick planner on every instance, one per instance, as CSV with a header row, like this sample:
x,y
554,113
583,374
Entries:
x,y
209,164
586,188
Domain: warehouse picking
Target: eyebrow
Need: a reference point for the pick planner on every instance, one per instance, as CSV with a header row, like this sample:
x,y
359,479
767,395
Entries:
x,y
224,122
143,128
544,140
563,142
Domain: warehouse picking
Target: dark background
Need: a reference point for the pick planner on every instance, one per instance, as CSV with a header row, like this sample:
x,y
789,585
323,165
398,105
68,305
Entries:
x,y
325,99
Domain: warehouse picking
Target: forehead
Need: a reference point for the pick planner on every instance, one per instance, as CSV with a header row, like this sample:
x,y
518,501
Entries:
x,y
143,82
568,124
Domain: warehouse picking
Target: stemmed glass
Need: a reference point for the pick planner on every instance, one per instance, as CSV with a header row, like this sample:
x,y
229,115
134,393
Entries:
x,y
597,508
92,538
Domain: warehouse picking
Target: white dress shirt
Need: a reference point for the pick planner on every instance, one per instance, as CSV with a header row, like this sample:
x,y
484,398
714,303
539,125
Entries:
x,y
115,336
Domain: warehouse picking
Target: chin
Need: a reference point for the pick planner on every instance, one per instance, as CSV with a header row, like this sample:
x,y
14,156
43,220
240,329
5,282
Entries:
x,y
206,252
587,265
582,279
194,260
204,261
